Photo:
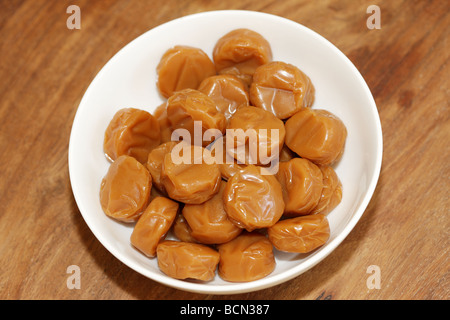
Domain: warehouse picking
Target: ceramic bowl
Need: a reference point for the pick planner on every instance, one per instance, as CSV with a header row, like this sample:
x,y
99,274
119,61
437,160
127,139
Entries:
x,y
129,80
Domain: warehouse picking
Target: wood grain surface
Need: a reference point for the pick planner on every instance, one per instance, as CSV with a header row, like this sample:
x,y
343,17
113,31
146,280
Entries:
x,y
45,69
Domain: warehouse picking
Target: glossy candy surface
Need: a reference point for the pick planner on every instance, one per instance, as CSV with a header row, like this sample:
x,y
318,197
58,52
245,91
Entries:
x,y
317,135
227,91
187,106
248,257
160,114
183,67
253,200
209,222
287,154
192,180
186,260
132,132
155,160
300,234
228,165
331,193
153,225
181,230
281,88
302,183
240,52
258,135
125,189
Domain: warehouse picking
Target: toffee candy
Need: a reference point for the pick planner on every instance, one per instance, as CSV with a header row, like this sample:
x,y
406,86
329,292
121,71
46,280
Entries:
x,y
182,230
186,260
281,88
193,181
240,52
286,154
209,222
160,114
302,183
317,135
257,134
155,160
183,67
247,257
153,225
300,234
331,193
188,105
125,189
252,200
228,93
132,132
228,166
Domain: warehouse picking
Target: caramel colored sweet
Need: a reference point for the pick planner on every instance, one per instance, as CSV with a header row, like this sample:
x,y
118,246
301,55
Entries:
x,y
131,132
155,160
153,225
287,154
228,166
229,169
209,221
331,192
182,230
186,260
125,189
240,52
281,88
258,135
253,200
160,114
227,91
190,179
300,234
183,67
317,135
248,257
186,106
302,183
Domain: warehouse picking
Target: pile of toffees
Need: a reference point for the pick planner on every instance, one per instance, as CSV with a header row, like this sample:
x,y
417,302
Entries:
x,y
225,217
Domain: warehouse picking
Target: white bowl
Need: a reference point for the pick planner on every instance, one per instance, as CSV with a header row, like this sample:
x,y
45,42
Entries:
x,y
129,80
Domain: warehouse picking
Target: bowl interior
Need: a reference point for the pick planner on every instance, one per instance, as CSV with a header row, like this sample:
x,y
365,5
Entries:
x,y
129,80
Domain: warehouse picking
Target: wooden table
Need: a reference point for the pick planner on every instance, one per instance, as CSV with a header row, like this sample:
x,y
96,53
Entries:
x,y
45,69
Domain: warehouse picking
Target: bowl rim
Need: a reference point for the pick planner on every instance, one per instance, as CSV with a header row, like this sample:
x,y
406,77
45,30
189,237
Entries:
x,y
270,281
